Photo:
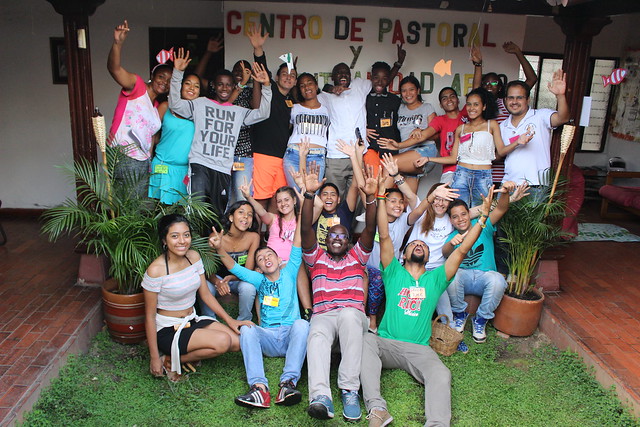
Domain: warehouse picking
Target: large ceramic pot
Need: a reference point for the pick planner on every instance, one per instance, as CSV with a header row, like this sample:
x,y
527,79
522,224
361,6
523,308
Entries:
x,y
518,317
124,314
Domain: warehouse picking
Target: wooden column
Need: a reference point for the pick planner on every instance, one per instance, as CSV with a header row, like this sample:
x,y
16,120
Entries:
x,y
579,32
75,15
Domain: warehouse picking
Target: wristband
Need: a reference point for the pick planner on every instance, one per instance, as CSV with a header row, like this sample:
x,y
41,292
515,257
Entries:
x,y
477,64
308,195
371,202
381,197
399,182
398,64
395,174
241,86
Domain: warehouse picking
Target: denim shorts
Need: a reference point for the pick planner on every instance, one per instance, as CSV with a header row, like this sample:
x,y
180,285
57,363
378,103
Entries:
x,y
427,150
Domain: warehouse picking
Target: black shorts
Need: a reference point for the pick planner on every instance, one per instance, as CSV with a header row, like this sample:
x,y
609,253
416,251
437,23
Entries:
x,y
165,336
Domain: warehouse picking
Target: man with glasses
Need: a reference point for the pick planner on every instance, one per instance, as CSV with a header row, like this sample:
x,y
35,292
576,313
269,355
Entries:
x,y
403,337
338,302
528,161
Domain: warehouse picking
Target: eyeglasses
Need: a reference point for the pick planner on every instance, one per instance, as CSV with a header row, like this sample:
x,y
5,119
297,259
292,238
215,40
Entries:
x,y
494,83
339,235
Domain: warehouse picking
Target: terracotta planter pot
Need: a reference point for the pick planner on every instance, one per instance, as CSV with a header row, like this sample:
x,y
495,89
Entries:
x,y
518,317
123,314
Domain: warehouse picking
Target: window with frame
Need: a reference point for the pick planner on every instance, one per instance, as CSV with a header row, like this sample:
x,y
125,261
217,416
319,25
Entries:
x,y
592,137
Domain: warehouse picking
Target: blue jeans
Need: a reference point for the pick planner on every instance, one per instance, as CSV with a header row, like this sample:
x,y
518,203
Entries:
x,y
246,296
291,159
238,178
427,150
472,184
287,341
489,285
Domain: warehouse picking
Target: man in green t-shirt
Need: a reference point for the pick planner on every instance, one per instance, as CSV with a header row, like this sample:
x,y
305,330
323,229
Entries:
x,y
403,336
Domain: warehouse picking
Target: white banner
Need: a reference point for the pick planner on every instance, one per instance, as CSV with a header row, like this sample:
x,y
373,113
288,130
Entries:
x,y
322,35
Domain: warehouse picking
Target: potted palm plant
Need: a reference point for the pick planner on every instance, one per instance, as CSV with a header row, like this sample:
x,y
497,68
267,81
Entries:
x,y
531,225
111,219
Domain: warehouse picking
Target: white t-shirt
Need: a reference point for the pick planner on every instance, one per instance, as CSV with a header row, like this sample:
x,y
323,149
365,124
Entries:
x,y
409,120
435,238
347,112
528,162
397,230
311,123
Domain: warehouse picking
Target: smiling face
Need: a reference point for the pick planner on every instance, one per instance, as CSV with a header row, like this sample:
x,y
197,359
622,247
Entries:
x,y
330,199
416,252
190,88
449,100
440,206
395,205
379,80
516,101
308,87
286,80
409,93
492,84
178,239
460,218
285,202
341,75
337,240
240,73
242,218
224,87
475,106
160,82
267,261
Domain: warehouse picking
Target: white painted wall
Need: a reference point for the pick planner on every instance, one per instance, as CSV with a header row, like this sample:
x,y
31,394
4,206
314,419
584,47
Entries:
x,y
34,113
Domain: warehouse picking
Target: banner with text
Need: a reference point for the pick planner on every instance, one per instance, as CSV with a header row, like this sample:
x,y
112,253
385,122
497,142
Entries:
x,y
321,35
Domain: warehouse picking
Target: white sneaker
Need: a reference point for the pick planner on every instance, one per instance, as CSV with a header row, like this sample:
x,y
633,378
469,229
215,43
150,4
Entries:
x,y
361,217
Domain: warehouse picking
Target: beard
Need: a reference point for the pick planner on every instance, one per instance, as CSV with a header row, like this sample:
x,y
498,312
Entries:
x,y
417,259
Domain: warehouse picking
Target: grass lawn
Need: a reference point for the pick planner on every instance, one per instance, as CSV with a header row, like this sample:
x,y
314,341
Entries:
x,y
515,382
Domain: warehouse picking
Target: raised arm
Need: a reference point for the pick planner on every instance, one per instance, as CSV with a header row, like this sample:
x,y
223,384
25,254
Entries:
x,y
443,191
558,87
476,58
215,45
529,73
503,202
457,256
354,151
391,165
369,189
114,62
386,244
265,216
178,105
311,185
402,54
260,76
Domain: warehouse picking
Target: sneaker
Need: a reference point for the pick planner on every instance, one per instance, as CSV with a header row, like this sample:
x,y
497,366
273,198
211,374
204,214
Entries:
x,y
379,417
479,326
321,408
351,405
361,217
288,394
463,348
255,398
459,320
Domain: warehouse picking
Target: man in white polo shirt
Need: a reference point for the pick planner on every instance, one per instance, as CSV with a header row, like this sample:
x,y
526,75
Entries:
x,y
529,160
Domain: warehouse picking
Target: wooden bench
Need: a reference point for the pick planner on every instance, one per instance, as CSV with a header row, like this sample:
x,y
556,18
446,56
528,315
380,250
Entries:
x,y
627,198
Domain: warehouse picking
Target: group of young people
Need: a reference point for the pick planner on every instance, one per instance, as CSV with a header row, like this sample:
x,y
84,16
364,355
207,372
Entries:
x,y
316,156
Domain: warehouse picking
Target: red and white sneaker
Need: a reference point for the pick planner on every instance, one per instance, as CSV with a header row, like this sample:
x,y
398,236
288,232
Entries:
x,y
288,394
255,398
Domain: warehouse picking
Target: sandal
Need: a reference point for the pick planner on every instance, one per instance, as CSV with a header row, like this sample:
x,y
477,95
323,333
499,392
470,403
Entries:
x,y
172,376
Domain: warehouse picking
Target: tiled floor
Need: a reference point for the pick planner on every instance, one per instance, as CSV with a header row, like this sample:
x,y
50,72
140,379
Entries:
x,y
44,316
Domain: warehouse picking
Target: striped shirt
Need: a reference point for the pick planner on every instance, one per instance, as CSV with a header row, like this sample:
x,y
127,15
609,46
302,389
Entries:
x,y
176,291
337,284
497,166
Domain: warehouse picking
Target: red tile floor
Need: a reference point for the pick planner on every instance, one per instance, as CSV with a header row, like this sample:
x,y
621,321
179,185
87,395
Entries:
x,y
44,316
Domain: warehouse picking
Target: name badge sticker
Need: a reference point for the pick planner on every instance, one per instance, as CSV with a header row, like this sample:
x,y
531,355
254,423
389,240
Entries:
x,y
289,103
161,169
242,259
271,301
237,166
385,123
416,293
513,139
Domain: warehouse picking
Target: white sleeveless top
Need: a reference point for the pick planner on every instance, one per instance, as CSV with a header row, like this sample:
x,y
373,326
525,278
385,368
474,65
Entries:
x,y
476,148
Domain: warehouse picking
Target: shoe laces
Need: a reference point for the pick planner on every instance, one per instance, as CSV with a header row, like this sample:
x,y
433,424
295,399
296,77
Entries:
x,y
374,413
351,398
